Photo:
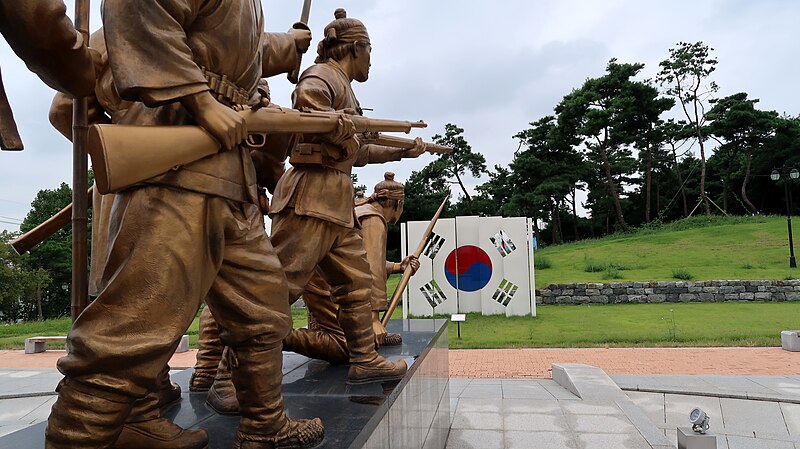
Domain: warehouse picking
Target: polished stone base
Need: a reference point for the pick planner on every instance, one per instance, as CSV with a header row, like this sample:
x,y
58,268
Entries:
x,y
414,413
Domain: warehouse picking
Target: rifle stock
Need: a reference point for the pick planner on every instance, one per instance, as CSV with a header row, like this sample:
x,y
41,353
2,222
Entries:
x,y
37,235
401,142
125,155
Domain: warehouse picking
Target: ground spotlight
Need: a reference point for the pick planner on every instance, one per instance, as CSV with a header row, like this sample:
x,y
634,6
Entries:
x,y
699,420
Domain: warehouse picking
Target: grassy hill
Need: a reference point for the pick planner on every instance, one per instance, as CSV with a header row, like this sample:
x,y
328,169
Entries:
x,y
705,249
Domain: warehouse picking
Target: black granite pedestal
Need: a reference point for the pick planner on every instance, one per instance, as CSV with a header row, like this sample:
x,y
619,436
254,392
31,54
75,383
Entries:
x,y
411,414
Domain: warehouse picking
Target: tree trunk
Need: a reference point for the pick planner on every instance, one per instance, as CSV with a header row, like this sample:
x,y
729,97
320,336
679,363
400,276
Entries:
x,y
575,214
612,189
649,182
554,223
680,181
746,180
658,196
463,189
40,315
725,194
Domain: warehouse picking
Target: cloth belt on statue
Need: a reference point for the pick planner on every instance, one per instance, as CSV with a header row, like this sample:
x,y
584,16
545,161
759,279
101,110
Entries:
x,y
318,154
224,90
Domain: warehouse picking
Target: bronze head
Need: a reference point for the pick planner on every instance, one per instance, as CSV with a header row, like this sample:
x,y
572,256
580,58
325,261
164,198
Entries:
x,y
390,194
346,38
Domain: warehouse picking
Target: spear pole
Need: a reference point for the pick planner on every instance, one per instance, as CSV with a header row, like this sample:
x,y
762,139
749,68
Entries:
x,y
80,197
401,286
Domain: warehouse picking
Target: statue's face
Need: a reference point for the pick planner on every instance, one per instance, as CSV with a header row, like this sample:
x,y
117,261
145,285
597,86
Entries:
x,y
362,62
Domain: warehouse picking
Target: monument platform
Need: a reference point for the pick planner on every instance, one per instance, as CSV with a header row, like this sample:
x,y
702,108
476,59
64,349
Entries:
x,y
412,413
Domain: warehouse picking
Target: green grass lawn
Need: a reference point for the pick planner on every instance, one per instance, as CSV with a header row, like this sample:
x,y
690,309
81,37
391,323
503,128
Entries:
x,y
722,248
632,325
619,325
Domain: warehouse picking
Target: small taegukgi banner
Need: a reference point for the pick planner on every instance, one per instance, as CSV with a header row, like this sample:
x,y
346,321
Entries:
x,y
472,264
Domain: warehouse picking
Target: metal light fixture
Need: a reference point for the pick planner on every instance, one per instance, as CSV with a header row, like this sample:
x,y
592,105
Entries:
x,y
792,174
699,420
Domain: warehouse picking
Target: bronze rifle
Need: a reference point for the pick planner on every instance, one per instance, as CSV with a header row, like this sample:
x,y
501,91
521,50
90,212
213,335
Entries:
x,y
401,142
401,286
124,155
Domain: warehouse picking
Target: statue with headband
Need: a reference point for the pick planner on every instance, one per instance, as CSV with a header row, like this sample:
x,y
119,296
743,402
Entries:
x,y
313,202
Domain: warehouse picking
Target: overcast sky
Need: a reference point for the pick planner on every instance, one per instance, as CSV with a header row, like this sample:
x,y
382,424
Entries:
x,y
489,67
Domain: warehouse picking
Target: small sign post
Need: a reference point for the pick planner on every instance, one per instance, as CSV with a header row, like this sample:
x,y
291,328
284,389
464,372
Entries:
x,y
458,318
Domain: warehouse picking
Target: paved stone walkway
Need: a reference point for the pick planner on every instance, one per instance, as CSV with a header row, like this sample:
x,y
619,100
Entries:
x,y
47,359
535,363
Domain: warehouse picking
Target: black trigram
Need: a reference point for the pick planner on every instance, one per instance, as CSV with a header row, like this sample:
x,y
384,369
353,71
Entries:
x,y
502,242
433,293
505,292
435,242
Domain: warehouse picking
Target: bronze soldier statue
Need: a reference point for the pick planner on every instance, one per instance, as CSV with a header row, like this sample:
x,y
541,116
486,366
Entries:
x,y
42,35
325,165
190,235
314,200
324,338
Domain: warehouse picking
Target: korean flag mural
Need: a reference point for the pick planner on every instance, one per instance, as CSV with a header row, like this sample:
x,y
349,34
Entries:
x,y
472,264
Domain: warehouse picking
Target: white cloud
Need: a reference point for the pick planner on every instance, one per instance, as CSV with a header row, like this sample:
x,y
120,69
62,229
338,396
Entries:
x,y
490,68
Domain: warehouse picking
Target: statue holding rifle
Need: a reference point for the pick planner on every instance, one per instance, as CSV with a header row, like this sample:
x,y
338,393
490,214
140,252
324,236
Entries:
x,y
192,234
313,201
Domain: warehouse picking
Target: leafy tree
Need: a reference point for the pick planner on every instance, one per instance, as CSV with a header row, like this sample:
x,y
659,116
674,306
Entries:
x,y
461,160
54,255
20,287
685,74
546,174
741,130
425,190
608,115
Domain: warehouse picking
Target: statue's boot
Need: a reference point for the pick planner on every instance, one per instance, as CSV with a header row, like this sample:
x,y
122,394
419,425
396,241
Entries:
x,y
317,344
264,425
168,391
85,417
146,429
209,353
366,365
222,394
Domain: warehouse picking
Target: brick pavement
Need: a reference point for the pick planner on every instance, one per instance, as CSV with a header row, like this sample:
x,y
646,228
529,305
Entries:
x,y
535,363
47,359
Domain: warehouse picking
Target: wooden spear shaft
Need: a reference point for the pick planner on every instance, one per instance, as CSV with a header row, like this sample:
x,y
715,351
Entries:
x,y
401,286
80,198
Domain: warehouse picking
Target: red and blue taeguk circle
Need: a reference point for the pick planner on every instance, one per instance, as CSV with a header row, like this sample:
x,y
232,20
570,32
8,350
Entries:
x,y
474,268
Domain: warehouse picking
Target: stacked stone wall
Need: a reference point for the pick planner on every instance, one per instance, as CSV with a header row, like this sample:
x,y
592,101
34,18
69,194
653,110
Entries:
x,y
673,292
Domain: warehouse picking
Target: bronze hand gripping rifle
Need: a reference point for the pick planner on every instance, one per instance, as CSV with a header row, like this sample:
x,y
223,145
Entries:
x,y
398,292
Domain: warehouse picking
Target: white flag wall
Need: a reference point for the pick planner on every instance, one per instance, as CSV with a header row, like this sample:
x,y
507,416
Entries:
x,y
472,264
428,291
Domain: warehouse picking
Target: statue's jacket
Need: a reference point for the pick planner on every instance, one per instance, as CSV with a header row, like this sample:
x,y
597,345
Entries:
x,y
189,42
321,191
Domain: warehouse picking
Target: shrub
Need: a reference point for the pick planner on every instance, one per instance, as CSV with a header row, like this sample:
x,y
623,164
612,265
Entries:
x,y
542,262
747,266
612,273
590,266
682,274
